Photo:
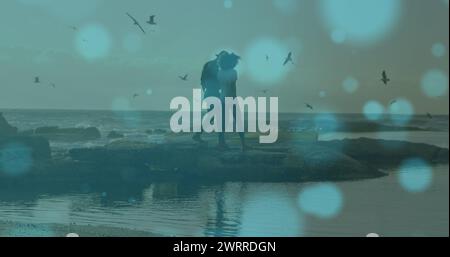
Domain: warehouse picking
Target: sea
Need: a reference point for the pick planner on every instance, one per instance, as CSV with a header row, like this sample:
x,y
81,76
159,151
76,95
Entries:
x,y
386,206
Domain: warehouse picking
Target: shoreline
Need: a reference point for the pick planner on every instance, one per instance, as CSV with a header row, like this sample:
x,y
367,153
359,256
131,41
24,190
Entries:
x,y
20,229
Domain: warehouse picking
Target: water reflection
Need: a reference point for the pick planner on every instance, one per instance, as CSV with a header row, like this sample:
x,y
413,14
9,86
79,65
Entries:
x,y
234,209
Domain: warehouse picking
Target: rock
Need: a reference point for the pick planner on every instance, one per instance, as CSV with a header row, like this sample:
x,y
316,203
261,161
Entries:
x,y
156,131
387,152
19,154
40,146
68,134
321,163
6,129
29,132
352,126
115,135
46,130
191,161
367,126
138,163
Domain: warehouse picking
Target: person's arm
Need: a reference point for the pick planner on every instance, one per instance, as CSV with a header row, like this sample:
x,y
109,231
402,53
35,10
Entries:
x,y
234,79
204,77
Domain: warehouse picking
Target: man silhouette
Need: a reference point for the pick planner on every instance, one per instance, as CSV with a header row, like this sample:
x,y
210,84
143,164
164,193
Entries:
x,y
210,83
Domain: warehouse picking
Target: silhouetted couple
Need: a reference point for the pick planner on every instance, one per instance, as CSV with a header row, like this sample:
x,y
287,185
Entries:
x,y
219,78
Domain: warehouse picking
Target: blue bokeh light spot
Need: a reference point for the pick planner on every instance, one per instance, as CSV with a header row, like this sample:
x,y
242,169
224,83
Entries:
x,y
338,36
93,42
286,6
228,4
415,175
373,110
322,94
15,159
435,83
363,21
322,200
438,50
124,111
350,85
327,122
401,112
271,214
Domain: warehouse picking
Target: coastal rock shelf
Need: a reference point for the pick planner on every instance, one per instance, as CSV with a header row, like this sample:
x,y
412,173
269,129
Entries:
x,y
65,134
297,157
308,161
15,149
385,153
199,162
180,159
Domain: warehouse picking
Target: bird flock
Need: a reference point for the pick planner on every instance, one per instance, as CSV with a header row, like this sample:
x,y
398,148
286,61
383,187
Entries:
x,y
287,60
151,21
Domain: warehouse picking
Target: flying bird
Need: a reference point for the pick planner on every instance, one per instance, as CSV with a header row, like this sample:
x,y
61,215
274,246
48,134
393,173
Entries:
x,y
429,116
265,91
151,20
136,23
288,59
267,57
384,78
393,102
309,106
37,80
184,78
73,28
135,95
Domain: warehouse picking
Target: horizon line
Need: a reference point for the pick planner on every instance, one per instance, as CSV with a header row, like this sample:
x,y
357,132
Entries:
x,y
147,110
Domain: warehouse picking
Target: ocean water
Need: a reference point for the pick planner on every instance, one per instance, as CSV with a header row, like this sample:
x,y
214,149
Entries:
x,y
384,206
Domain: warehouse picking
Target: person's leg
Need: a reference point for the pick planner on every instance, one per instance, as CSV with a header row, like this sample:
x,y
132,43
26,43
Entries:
x,y
235,120
198,135
222,143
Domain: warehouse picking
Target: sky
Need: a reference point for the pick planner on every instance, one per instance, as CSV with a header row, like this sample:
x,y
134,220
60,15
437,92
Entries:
x,y
97,59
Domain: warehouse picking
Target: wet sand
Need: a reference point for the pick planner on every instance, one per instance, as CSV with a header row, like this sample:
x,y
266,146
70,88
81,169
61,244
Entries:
x,y
14,229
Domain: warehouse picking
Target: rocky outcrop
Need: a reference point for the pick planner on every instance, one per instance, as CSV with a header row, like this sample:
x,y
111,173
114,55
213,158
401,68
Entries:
x,y
136,162
191,161
156,131
20,155
365,126
308,161
387,152
115,135
6,129
67,134
39,147
352,126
